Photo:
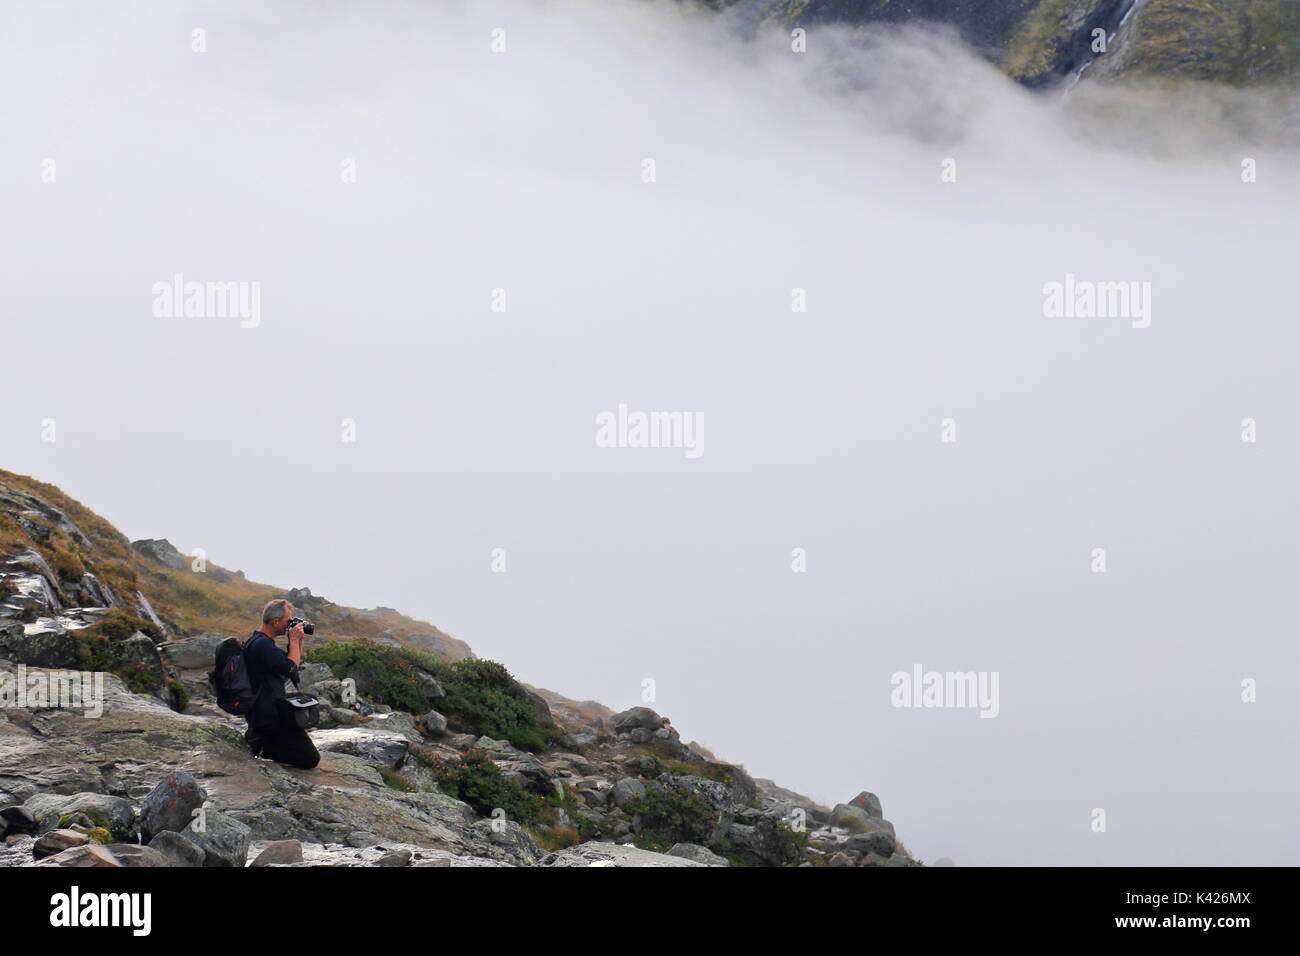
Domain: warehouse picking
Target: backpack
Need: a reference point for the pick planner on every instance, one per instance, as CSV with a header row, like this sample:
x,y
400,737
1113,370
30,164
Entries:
x,y
235,693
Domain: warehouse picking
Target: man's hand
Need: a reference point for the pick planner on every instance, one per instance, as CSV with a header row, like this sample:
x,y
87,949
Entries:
x,y
295,644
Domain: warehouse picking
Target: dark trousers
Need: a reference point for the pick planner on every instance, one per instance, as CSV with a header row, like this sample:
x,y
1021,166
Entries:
x,y
283,745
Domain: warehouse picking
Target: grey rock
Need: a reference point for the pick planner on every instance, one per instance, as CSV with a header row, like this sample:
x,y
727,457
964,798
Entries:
x,y
868,803
44,643
171,804
180,850
115,814
395,858
281,853
693,851
627,791
637,718
161,551
435,723
132,855
853,819
877,838
198,652
379,748
223,839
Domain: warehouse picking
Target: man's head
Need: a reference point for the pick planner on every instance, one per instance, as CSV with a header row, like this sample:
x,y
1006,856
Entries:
x,y
275,617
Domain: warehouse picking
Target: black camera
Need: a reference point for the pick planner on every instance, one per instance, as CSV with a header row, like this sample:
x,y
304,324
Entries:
x,y
307,626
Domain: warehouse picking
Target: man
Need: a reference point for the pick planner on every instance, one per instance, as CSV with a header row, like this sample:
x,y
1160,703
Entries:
x,y
268,668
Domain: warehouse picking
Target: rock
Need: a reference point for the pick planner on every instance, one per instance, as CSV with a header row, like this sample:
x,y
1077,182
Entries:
x,y
139,652
763,840
378,748
868,803
839,859
637,718
877,838
41,644
180,850
313,673
612,854
281,853
132,854
170,805
853,819
161,551
640,735
224,840
194,653
56,841
82,856
628,790
16,820
432,689
435,723
693,851
395,858
114,814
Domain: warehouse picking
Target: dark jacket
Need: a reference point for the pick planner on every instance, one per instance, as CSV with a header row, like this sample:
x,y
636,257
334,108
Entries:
x,y
268,668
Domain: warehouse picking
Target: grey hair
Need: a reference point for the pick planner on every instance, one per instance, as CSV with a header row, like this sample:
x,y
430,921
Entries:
x,y
274,610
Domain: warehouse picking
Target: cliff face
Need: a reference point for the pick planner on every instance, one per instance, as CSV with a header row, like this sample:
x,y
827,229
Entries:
x,y
429,756
1237,42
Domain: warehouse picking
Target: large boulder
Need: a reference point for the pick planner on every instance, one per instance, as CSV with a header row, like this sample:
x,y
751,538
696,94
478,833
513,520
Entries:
x,y
878,838
628,791
868,803
161,551
43,643
170,805
637,718
114,814
138,653
379,748
194,653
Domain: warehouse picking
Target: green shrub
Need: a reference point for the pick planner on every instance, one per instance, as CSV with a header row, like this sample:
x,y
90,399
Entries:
x,y
476,780
482,696
672,816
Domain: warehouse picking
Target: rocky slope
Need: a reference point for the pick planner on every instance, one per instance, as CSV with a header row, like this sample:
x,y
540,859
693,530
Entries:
x,y
140,768
1038,42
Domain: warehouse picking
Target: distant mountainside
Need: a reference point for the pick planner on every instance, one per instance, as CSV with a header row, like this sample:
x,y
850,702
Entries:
x,y
1237,42
430,756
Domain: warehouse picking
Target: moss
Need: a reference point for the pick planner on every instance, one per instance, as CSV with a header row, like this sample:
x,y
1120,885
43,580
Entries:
x,y
396,781
178,695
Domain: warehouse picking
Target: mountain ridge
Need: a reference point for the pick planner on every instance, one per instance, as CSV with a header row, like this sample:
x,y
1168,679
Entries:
x,y
556,782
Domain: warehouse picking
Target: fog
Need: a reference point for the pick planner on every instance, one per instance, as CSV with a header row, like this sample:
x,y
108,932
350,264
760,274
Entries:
x,y
774,171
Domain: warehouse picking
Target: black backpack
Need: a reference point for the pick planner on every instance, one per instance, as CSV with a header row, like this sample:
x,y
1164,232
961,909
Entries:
x,y
229,679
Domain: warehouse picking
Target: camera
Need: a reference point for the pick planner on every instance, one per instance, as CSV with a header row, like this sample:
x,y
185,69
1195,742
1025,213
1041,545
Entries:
x,y
307,626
